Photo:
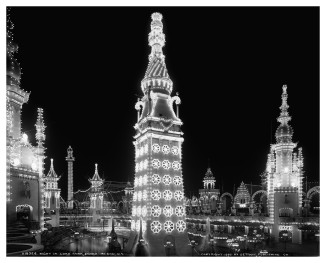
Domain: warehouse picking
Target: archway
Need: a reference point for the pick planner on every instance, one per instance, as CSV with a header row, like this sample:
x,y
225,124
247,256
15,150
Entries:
x,y
24,212
226,199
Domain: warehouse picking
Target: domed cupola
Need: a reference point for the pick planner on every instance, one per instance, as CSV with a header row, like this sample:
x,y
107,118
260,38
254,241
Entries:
x,y
284,132
13,67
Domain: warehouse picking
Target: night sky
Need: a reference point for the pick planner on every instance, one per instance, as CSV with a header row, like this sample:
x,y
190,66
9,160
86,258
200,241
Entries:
x,y
84,67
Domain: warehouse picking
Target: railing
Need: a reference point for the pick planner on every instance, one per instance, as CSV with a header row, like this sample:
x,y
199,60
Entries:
x,y
303,220
252,219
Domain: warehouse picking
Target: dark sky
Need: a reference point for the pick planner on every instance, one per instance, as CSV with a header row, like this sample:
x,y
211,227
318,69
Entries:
x,y
84,66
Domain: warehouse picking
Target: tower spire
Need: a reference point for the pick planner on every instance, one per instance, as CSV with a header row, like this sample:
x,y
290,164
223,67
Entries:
x,y
40,127
156,76
284,117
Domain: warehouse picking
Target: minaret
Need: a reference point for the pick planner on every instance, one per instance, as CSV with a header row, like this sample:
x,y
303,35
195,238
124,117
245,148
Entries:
x,y
70,159
40,138
52,196
209,195
158,200
284,174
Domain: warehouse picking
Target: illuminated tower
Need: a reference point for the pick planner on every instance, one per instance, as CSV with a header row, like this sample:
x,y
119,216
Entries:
x,y
284,179
209,195
96,195
70,159
24,161
158,188
40,153
127,198
52,197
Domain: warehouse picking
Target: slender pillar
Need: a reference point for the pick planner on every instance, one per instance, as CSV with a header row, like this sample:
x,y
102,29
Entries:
x,y
70,159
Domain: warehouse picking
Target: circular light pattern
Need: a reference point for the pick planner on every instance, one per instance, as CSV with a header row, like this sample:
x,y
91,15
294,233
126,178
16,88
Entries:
x,y
168,210
156,179
145,195
137,167
168,226
177,180
176,165
156,227
155,148
136,181
181,226
165,149
156,194
140,180
133,225
179,210
156,163
144,211
133,211
167,195
166,164
138,211
156,211
139,195
146,148
178,195
141,151
175,150
167,179
145,164
145,179
134,198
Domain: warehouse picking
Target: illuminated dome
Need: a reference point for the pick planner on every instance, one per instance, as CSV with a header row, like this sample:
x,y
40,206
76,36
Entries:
x,y
284,133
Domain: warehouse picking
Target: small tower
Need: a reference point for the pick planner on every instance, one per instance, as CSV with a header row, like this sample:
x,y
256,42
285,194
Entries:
x,y
70,159
209,195
96,195
284,177
127,198
52,197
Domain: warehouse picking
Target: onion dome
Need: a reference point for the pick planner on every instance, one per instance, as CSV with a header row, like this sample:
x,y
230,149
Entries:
x,y
156,77
13,67
284,132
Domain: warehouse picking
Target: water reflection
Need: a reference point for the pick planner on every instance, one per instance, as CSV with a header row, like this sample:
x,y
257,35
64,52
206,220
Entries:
x,y
90,245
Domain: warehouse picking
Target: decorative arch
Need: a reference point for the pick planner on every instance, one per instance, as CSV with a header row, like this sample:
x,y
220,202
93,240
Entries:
x,y
213,197
263,192
313,191
226,194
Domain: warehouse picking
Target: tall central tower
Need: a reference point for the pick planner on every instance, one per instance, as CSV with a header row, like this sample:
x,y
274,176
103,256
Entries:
x,y
158,202
284,176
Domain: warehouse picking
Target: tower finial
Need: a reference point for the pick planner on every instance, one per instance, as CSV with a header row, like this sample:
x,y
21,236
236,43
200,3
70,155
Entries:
x,y
284,117
156,38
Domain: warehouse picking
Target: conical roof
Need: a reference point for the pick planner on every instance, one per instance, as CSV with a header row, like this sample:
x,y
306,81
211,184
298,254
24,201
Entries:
x,y
52,173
